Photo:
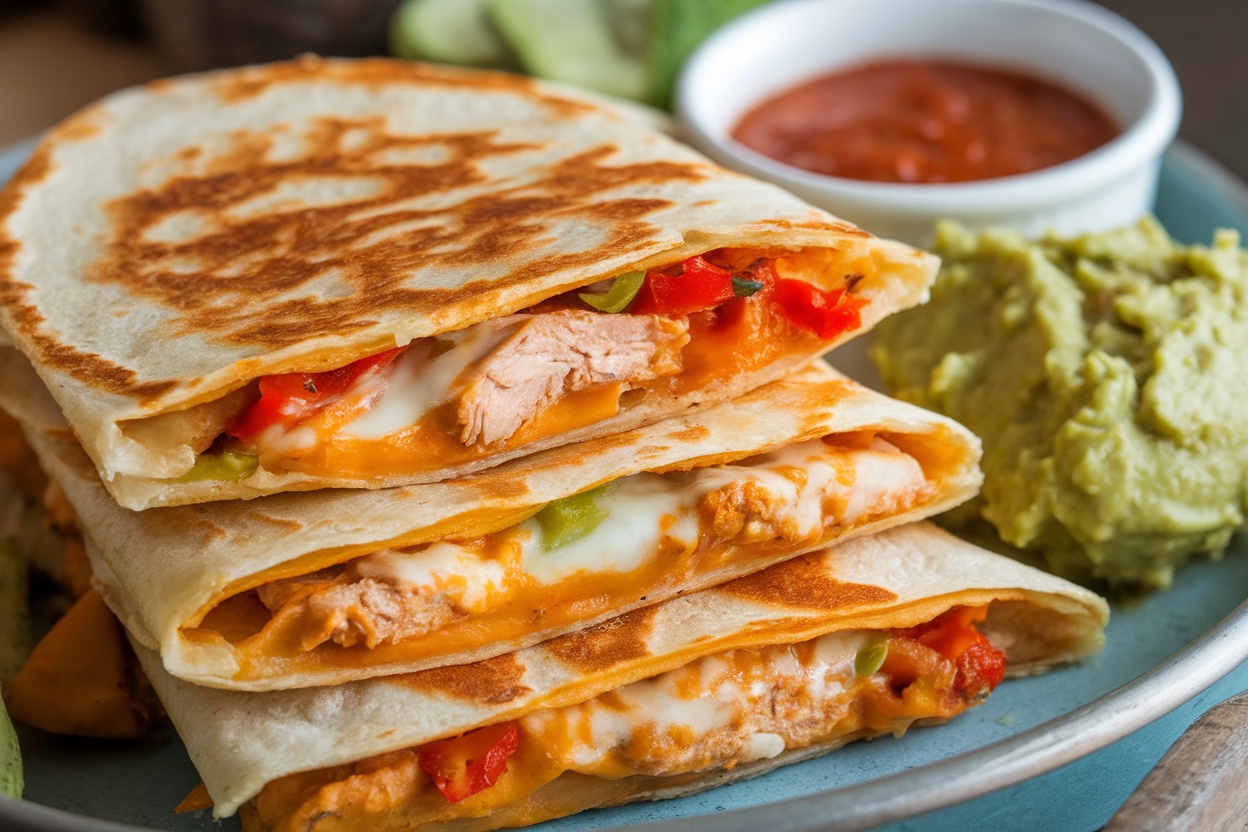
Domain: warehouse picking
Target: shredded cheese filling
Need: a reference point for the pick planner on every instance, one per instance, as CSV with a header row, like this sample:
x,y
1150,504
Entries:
x,y
793,493
719,711
672,527
715,713
423,378
409,419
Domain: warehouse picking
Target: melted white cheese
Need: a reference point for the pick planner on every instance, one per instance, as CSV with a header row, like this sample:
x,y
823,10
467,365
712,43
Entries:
x,y
660,698
292,442
651,515
803,505
421,381
886,478
627,538
703,697
762,746
465,576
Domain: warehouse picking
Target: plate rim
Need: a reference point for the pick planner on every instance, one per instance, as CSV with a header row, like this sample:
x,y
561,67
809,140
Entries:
x,y
941,784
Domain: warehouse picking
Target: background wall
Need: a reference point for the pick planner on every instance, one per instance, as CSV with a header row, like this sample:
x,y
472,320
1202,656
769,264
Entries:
x,y
1207,41
56,55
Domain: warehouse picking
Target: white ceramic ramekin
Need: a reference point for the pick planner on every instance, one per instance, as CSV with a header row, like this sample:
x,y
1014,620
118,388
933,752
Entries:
x,y
1076,44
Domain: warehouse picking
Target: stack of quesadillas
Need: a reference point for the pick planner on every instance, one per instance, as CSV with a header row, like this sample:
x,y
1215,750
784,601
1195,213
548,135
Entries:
x,y
454,451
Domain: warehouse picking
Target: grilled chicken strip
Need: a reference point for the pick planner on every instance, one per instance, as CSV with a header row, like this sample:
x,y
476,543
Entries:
x,y
557,353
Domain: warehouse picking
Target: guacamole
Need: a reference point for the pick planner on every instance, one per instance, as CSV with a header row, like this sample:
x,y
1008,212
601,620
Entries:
x,y
1107,376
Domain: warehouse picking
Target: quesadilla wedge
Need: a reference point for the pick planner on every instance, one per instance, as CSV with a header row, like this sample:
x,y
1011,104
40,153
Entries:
x,y
331,273
322,587
869,637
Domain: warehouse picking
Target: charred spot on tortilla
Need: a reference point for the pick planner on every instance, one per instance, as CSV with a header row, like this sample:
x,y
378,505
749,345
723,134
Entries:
x,y
82,364
846,228
332,224
36,169
207,529
289,524
493,681
830,391
613,641
648,451
509,488
329,215
98,370
805,582
690,434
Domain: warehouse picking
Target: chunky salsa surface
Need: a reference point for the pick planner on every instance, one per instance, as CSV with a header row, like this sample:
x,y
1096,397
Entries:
x,y
925,121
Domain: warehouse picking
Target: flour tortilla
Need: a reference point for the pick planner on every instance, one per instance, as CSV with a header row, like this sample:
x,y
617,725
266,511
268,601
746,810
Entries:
x,y
174,241
162,569
918,571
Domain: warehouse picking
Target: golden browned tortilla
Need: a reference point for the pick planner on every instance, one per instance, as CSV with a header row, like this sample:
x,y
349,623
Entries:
x,y
327,586
167,247
664,701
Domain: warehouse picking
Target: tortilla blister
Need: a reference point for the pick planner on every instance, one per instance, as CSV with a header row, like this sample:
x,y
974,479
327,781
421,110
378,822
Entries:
x,y
894,579
174,241
161,569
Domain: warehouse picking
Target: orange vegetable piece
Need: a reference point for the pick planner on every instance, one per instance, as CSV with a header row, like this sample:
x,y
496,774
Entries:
x,y
196,800
78,679
981,667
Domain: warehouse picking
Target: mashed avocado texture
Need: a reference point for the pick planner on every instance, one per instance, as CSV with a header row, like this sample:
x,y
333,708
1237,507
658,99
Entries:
x,y
1107,376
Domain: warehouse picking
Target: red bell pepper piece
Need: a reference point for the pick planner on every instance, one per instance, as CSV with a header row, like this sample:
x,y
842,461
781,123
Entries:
x,y
462,766
981,667
295,397
825,312
703,285
699,285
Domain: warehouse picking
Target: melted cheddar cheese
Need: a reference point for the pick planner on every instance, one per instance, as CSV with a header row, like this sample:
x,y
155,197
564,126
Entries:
x,y
404,422
715,713
676,529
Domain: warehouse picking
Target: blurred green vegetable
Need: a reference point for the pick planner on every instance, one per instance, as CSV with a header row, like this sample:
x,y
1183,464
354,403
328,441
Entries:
x,y
228,466
448,31
623,289
570,41
14,648
628,48
11,780
677,27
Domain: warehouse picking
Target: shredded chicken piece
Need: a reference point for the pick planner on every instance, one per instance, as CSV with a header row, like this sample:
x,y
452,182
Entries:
x,y
764,707
557,353
351,610
749,512
787,708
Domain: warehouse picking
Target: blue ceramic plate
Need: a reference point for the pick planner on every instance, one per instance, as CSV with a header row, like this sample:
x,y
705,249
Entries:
x,y
1162,653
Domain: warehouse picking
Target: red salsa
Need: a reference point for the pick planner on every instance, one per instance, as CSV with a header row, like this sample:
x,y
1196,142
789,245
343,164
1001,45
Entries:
x,y
925,121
